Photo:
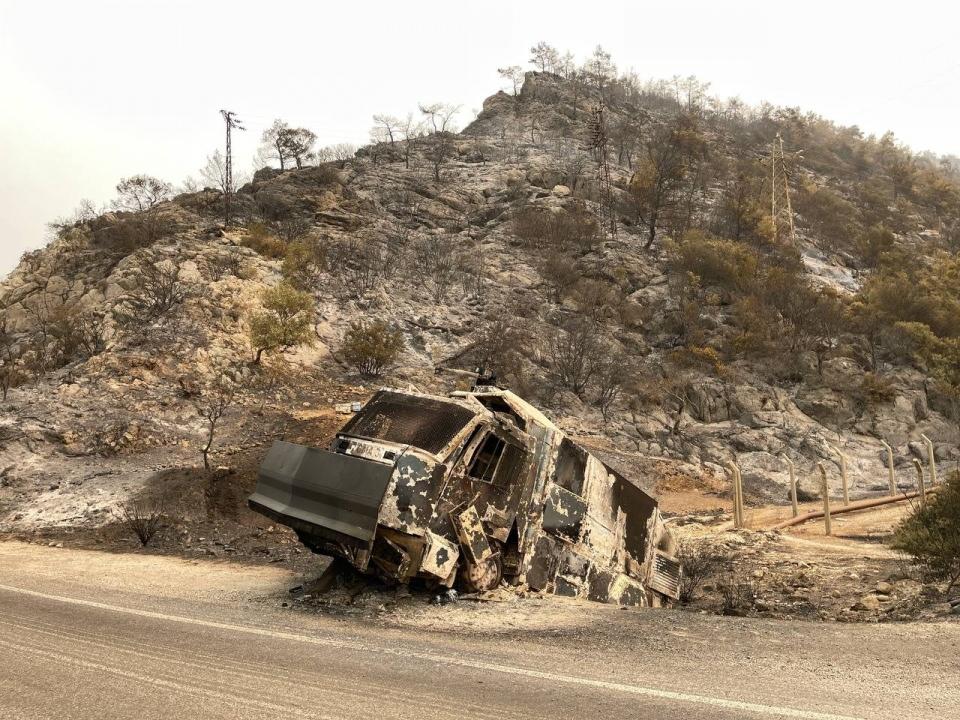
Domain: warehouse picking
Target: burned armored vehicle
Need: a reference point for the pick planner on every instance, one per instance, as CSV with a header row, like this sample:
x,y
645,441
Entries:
x,y
470,490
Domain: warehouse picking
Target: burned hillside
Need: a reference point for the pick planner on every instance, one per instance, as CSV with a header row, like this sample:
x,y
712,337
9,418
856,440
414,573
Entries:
x,y
697,334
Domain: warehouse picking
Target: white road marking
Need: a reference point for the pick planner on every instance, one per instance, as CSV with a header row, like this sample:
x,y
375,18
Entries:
x,y
757,708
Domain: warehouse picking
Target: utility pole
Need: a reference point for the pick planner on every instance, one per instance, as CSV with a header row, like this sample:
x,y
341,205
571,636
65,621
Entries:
x,y
781,209
597,142
232,121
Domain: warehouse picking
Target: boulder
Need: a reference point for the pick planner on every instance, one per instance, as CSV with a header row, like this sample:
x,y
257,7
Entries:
x,y
561,191
868,602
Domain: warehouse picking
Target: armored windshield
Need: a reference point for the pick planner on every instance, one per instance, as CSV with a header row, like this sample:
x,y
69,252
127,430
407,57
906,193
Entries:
x,y
423,422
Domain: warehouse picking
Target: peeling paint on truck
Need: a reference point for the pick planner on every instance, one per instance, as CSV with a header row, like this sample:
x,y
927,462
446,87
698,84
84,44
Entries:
x,y
479,486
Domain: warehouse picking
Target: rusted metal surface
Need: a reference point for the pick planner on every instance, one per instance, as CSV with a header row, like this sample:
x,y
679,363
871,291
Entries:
x,y
476,488
472,536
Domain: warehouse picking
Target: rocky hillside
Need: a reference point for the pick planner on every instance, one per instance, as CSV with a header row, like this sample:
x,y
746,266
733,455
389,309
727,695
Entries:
x,y
698,333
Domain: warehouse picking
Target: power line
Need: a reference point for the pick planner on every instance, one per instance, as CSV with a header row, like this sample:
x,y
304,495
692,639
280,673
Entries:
x,y
597,141
232,121
781,209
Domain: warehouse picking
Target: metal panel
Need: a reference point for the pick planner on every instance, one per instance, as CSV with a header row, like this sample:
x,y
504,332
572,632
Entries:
x,y
440,556
563,513
472,537
339,492
665,575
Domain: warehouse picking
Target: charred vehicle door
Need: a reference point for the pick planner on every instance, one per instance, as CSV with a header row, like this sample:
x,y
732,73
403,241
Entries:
x,y
492,476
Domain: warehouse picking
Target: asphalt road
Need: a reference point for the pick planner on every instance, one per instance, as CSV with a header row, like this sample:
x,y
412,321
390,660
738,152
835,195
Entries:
x,y
97,636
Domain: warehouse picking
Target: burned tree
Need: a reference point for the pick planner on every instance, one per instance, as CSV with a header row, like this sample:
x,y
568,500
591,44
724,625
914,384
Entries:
x,y
436,265
10,353
358,266
158,291
386,128
141,192
284,143
575,354
656,185
211,404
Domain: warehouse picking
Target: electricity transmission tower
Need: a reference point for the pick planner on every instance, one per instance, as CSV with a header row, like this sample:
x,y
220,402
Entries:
x,y
781,210
232,121
597,142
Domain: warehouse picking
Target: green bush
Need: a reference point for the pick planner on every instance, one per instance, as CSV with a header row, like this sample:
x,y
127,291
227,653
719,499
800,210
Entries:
x,y
285,321
931,533
371,347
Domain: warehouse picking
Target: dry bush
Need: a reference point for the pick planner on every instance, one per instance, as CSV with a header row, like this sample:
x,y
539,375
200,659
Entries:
x,y
597,299
260,239
930,534
832,218
128,233
738,597
714,261
701,564
76,334
572,229
11,352
435,264
323,175
876,389
358,266
614,372
304,263
157,293
219,265
212,403
703,359
575,354
292,228
560,272
498,345
143,518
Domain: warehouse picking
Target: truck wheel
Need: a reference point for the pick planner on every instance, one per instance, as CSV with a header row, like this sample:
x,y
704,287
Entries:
x,y
483,576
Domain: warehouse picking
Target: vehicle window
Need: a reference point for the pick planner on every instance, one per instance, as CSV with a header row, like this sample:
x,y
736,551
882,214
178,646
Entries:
x,y
485,461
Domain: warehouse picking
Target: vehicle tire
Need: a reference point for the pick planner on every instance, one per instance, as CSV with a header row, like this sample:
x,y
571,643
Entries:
x,y
474,577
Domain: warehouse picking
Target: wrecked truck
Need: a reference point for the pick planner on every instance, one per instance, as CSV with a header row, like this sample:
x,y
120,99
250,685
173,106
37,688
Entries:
x,y
470,490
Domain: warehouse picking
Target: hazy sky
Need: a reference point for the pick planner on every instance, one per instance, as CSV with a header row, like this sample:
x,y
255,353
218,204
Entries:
x,y
96,90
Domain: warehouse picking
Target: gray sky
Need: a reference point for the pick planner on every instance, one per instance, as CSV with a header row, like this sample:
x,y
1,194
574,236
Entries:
x,y
93,91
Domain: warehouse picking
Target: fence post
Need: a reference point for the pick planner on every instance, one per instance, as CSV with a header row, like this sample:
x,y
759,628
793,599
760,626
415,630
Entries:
x,y
891,474
743,517
825,490
918,466
793,485
843,474
736,504
931,459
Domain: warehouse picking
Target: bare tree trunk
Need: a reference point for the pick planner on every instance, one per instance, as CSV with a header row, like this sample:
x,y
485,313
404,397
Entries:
x,y
652,231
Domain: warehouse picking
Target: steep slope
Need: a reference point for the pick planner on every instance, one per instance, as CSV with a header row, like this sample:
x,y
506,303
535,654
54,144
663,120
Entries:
x,y
672,348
